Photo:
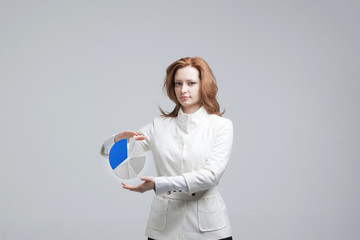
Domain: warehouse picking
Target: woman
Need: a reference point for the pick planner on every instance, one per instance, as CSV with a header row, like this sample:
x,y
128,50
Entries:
x,y
191,147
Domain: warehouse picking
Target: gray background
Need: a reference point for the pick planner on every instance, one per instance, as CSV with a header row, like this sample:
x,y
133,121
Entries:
x,y
74,72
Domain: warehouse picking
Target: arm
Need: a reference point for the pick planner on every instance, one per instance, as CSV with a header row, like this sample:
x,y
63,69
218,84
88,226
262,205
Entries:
x,y
160,185
215,165
170,184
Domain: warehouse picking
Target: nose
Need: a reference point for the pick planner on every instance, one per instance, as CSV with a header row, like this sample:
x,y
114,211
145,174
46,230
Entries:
x,y
184,88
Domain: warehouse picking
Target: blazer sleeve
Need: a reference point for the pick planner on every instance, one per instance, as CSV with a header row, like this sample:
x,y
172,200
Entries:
x,y
135,148
215,165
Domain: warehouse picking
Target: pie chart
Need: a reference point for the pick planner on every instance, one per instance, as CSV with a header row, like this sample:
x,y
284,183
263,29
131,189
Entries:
x,y
124,166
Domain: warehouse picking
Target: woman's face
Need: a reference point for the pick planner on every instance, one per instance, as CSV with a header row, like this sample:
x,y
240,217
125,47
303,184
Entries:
x,y
187,88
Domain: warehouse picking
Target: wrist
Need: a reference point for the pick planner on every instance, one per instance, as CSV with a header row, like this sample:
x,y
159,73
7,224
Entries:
x,y
154,188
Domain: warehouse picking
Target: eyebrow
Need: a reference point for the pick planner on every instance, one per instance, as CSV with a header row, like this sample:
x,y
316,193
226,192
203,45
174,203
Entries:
x,y
187,80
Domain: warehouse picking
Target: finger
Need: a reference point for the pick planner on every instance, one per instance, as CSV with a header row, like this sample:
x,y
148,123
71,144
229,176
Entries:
x,y
135,133
147,179
140,138
133,188
129,134
127,186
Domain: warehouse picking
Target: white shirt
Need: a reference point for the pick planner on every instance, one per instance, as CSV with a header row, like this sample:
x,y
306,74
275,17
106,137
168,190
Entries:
x,y
196,148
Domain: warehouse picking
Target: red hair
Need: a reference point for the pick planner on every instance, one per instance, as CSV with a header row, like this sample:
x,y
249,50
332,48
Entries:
x,y
208,85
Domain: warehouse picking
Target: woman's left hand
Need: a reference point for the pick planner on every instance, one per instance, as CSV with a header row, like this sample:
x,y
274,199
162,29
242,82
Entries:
x,y
148,184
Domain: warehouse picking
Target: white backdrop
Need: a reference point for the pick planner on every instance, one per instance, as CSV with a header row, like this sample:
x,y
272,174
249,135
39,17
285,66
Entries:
x,y
74,72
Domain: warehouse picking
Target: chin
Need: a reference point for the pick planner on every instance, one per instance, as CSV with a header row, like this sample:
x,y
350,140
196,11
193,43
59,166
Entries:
x,y
186,104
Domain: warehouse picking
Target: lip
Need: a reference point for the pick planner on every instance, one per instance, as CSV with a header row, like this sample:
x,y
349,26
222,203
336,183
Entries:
x,y
184,97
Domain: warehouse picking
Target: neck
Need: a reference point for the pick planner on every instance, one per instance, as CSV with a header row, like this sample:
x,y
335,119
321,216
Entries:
x,y
192,109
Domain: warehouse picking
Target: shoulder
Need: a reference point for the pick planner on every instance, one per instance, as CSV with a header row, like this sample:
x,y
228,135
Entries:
x,y
222,126
157,123
221,122
162,121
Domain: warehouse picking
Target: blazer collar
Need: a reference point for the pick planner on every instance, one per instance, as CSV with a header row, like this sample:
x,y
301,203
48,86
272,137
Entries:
x,y
190,121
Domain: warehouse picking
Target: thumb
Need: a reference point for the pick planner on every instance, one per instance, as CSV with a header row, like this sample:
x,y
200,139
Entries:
x,y
144,178
147,179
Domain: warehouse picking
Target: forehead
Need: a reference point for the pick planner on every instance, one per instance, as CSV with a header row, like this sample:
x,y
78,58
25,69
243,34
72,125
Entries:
x,y
187,73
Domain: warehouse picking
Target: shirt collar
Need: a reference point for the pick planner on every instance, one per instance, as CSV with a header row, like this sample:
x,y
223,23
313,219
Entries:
x,y
190,121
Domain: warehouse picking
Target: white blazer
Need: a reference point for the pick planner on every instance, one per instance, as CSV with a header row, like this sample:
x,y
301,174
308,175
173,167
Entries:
x,y
197,146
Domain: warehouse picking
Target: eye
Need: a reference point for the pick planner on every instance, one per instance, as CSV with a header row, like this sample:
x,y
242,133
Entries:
x,y
192,83
177,83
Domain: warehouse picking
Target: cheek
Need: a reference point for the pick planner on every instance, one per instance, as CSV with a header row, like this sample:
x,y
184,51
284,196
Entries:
x,y
176,90
197,91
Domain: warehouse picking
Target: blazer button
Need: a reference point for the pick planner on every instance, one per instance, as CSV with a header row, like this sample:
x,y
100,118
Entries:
x,y
193,194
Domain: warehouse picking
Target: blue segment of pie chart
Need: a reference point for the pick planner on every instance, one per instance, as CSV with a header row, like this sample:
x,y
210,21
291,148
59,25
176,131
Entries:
x,y
118,153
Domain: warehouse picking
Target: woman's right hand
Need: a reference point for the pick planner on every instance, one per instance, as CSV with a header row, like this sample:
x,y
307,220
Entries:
x,y
129,134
